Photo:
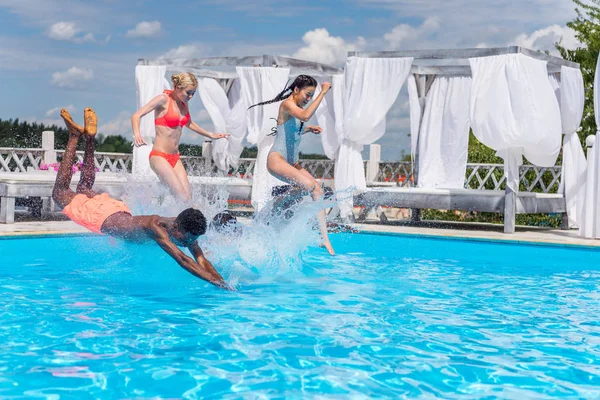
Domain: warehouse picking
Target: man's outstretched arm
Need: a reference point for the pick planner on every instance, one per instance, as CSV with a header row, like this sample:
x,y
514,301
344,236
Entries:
x,y
209,274
205,264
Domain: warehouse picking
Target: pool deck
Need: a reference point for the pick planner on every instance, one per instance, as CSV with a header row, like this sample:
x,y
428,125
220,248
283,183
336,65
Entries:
x,y
431,229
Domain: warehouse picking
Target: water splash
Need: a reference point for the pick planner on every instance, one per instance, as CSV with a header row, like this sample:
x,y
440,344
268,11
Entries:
x,y
266,248
270,246
146,196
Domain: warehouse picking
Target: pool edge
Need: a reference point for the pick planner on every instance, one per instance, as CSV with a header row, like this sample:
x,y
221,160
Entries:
x,y
360,229
508,240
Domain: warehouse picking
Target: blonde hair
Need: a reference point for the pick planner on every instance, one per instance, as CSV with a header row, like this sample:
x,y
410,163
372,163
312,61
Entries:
x,y
184,79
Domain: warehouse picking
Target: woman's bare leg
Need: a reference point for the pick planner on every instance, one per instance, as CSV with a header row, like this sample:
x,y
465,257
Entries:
x,y
183,178
168,176
284,171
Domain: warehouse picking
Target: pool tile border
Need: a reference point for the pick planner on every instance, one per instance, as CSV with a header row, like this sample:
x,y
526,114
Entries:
x,y
508,240
382,230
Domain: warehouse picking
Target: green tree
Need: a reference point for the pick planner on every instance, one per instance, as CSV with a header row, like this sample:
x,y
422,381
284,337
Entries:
x,y
113,144
587,30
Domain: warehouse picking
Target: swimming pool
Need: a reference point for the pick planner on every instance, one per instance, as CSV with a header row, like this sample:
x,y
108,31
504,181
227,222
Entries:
x,y
390,316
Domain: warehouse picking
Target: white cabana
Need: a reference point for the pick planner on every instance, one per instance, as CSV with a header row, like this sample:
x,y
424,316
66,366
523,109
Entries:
x,y
445,100
227,87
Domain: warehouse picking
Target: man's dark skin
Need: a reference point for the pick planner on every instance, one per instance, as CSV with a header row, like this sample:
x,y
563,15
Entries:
x,y
166,232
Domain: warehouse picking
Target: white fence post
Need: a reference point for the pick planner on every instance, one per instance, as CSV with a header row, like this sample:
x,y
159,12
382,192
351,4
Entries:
x,y
373,163
48,147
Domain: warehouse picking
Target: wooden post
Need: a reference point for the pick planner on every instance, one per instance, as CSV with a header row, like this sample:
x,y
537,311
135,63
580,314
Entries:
x,y
207,155
510,194
373,163
7,210
48,147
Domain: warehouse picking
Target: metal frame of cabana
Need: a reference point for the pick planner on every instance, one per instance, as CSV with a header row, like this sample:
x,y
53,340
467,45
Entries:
x,y
220,67
427,64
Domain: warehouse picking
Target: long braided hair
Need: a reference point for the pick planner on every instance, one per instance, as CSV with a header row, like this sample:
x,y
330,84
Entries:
x,y
300,82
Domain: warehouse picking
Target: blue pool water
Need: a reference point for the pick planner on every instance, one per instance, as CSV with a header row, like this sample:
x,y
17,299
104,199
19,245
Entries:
x,y
88,317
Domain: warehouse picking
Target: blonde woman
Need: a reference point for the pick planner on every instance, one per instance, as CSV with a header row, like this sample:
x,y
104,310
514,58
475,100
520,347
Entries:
x,y
171,114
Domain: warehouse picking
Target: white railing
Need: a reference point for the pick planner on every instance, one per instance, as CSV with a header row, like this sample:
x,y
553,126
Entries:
x,y
19,160
107,162
400,173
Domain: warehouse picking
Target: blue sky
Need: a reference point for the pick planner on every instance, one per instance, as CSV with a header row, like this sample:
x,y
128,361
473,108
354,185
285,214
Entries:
x,y
75,54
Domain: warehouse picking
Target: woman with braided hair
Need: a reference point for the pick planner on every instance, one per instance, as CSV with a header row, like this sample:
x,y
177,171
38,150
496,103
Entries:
x,y
171,114
283,158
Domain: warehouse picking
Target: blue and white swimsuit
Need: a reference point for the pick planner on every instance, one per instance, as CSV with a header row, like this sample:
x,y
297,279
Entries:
x,y
287,141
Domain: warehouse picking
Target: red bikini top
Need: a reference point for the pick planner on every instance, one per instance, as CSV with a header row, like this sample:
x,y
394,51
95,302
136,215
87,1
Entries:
x,y
171,118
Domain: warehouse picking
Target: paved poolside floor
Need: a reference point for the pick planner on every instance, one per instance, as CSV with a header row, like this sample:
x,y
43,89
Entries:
x,y
426,228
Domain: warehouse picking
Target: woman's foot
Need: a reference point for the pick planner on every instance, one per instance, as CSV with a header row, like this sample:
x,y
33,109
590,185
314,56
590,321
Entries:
x,y
328,246
73,128
90,121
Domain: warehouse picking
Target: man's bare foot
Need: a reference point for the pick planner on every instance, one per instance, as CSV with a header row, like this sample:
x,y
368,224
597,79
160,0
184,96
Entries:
x,y
73,128
90,121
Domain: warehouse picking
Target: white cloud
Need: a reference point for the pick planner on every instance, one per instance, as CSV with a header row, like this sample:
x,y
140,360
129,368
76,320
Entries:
x,y
68,31
185,51
72,78
56,110
403,33
323,48
89,37
63,31
46,121
145,29
119,125
544,39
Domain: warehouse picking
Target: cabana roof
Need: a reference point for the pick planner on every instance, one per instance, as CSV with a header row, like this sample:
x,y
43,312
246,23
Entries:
x,y
224,67
456,61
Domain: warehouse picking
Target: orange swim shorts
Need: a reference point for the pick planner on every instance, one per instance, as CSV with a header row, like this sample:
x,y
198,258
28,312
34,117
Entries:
x,y
92,212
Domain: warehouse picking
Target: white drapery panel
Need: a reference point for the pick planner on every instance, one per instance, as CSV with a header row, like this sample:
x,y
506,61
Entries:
x,y
572,99
444,133
589,226
555,83
260,84
228,114
150,81
329,113
414,112
515,112
371,85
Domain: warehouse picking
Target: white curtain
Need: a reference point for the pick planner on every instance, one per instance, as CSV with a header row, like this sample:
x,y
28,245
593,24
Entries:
x,y
328,113
150,81
514,111
415,113
589,226
572,99
444,133
371,86
260,84
555,83
228,114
